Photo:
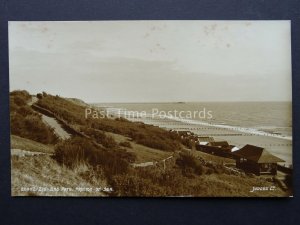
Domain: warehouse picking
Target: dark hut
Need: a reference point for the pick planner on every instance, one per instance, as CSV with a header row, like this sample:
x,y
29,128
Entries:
x,y
220,144
220,148
256,160
205,139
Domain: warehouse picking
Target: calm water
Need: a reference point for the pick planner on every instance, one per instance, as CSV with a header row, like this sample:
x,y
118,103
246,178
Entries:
x,y
268,117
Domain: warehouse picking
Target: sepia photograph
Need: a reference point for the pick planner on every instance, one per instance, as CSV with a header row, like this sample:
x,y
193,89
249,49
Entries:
x,y
151,108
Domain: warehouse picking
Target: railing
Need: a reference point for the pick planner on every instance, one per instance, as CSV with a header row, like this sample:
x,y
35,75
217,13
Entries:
x,y
285,170
153,163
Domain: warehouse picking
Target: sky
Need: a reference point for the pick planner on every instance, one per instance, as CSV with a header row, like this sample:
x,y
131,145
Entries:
x,y
153,61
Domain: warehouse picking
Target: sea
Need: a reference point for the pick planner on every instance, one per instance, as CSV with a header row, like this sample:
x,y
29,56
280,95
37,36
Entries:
x,y
274,118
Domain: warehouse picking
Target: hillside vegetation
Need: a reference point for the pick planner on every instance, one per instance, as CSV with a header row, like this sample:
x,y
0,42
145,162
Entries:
x,y
25,122
17,142
105,154
45,173
147,135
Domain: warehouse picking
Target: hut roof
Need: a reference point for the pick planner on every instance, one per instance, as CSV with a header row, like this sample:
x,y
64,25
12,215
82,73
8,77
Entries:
x,y
257,154
203,143
234,148
205,139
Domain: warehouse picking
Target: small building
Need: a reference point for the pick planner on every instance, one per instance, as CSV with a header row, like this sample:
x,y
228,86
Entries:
x,y
204,139
257,160
219,148
219,144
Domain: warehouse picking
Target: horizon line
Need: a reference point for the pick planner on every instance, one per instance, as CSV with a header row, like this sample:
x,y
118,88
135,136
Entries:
x,y
182,102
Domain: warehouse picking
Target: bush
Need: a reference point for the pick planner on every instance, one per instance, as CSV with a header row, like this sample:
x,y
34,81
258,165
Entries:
x,y
73,151
65,109
143,134
187,142
217,168
22,94
25,111
151,182
125,144
26,123
19,98
132,185
33,128
100,137
19,101
190,165
39,96
78,150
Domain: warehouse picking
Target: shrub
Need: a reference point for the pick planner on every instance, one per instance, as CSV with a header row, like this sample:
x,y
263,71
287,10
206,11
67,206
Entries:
x,y
27,123
189,164
39,96
132,185
151,182
36,130
217,168
25,111
187,142
143,134
70,112
22,94
78,150
125,144
19,98
128,156
121,119
33,128
100,137
19,101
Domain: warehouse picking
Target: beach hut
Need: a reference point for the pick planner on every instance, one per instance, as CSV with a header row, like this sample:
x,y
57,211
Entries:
x,y
219,148
206,139
257,160
219,144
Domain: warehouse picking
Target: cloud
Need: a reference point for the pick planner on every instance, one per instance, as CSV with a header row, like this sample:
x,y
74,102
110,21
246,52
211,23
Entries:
x,y
153,60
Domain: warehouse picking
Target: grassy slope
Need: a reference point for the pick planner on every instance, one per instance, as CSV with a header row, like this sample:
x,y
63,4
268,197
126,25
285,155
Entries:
x,y
223,185
29,145
143,153
213,158
43,171
147,135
